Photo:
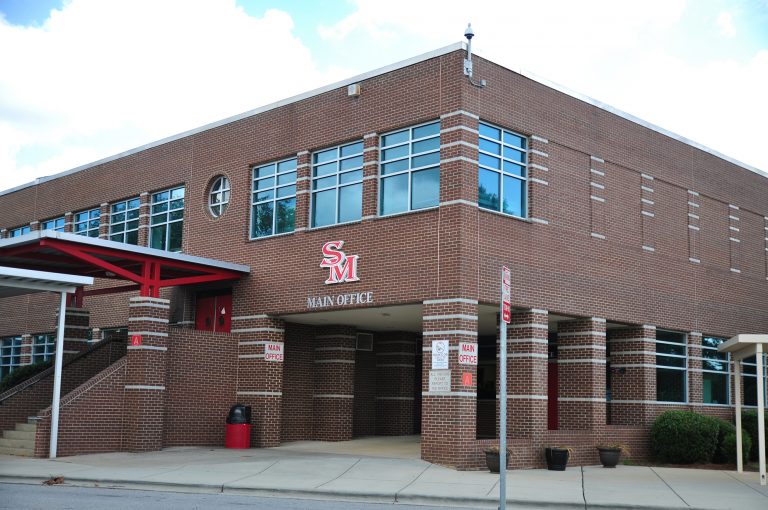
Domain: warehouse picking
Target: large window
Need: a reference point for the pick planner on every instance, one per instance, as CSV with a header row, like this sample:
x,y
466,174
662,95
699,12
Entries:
x,y
503,171
167,220
16,232
337,185
410,169
10,354
714,375
56,224
671,365
43,347
87,223
749,379
274,198
124,221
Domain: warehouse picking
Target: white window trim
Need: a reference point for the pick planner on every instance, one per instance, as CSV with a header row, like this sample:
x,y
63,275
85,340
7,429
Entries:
x,y
226,188
87,222
274,198
125,221
338,186
525,166
168,221
685,346
54,228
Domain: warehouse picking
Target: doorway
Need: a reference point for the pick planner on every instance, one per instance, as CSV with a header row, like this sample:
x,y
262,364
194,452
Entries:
x,y
214,312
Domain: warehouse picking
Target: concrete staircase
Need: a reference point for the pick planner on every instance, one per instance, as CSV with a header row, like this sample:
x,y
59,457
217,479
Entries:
x,y
20,441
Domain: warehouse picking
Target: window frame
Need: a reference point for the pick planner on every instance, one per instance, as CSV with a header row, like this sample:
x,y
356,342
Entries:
x,y
19,231
525,166
89,219
744,374
409,171
48,343
112,223
337,187
225,191
56,226
684,369
168,222
10,354
274,199
727,372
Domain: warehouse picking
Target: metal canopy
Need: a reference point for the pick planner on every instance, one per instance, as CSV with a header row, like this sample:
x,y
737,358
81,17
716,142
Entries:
x,y
740,347
149,269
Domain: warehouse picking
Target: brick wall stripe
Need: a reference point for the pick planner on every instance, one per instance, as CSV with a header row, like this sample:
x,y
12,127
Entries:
x,y
636,339
539,153
525,326
464,332
450,394
143,387
460,112
81,340
459,128
526,355
395,365
526,397
580,399
332,395
450,300
258,330
649,402
577,347
580,333
262,393
325,361
597,172
148,333
144,299
397,342
343,349
537,220
595,158
400,353
150,305
539,139
455,202
146,348
446,317
584,360
254,342
394,398
472,146
327,337
248,317
526,341
250,356
147,319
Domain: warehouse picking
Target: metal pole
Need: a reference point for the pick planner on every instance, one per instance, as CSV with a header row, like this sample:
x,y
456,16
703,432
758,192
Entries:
x,y
502,405
57,376
737,395
760,412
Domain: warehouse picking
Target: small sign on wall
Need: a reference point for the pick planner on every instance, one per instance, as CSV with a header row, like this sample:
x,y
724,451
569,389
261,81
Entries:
x,y
439,381
439,354
274,351
466,379
135,340
467,353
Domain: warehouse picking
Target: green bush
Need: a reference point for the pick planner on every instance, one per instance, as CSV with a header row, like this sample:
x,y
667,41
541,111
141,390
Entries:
x,y
683,437
723,453
749,423
728,446
21,374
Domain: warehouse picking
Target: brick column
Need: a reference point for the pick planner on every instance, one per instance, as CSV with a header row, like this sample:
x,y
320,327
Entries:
x,y
633,375
76,326
144,401
333,399
26,349
144,214
303,187
539,197
581,374
34,226
370,176
260,374
104,221
695,377
448,423
68,225
3,233
395,384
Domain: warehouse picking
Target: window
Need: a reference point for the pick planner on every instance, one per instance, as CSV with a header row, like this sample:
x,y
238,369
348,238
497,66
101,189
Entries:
x,y
87,223
714,372
43,347
274,198
120,333
218,197
56,224
749,380
10,354
503,171
124,221
16,232
337,185
167,220
671,365
410,169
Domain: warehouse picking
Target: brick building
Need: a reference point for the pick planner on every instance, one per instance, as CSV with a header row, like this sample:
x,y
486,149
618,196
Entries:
x,y
375,215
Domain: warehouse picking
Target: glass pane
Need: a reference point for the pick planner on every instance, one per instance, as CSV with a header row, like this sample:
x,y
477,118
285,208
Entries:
x,y
489,146
160,197
265,183
429,129
80,216
712,364
160,218
354,148
425,188
514,155
397,152
670,349
670,361
429,144
262,220
388,168
117,227
324,208
433,158
95,213
286,191
286,166
325,182
352,163
93,233
264,195
134,204
350,203
174,241
286,210
118,207
177,193
94,224
161,207
515,140
176,215
132,214
490,161
749,388
326,169
393,138
514,169
286,178
132,237
132,225
116,237
490,132
177,204
711,342
264,171
488,189
670,336
325,156
79,227
157,237
670,385
715,388
357,175
514,196
116,218
394,194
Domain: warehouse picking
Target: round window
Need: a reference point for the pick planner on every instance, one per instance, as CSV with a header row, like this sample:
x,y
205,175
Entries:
x,y
218,197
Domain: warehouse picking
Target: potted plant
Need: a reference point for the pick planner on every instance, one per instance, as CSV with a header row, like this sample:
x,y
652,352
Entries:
x,y
557,457
492,458
611,453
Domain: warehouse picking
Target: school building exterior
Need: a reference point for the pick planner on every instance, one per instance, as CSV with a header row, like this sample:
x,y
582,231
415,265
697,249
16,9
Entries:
x,y
333,261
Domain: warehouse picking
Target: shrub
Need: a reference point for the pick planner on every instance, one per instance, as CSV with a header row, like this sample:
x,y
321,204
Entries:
x,y
749,423
728,447
723,454
21,374
683,437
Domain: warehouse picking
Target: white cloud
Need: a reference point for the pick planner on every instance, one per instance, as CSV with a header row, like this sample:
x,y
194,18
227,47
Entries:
x,y
725,24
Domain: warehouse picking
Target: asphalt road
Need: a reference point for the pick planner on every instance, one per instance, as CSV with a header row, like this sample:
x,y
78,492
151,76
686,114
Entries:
x,y
59,497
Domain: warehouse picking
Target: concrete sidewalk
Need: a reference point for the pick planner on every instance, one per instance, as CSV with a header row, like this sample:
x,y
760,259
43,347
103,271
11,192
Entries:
x,y
297,472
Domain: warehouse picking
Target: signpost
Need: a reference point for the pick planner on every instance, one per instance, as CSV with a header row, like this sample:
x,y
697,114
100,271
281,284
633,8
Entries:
x,y
505,317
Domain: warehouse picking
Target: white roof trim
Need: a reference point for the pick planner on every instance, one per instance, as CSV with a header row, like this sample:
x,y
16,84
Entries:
x,y
28,281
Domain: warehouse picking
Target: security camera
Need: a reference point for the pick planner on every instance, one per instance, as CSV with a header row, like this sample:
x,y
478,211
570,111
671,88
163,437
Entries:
x,y
469,33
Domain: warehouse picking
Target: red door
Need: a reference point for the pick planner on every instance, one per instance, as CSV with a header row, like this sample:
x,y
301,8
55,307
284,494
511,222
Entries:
x,y
552,395
223,313
214,313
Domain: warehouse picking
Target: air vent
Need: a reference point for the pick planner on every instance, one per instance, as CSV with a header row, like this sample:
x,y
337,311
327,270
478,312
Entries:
x,y
364,342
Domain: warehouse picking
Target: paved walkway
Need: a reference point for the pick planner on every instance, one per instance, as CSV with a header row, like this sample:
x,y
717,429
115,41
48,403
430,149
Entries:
x,y
362,473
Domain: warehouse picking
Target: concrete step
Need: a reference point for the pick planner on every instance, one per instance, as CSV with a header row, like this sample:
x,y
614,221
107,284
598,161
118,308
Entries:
x,y
17,443
21,452
26,427
19,434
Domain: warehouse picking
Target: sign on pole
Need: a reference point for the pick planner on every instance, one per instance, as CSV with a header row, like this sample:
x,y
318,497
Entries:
x,y
504,319
506,294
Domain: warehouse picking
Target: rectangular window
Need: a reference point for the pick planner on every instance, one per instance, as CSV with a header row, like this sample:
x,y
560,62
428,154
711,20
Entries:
x,y
124,221
671,366
167,220
337,185
16,232
749,380
410,169
43,347
714,371
274,198
10,354
87,223
56,224
503,171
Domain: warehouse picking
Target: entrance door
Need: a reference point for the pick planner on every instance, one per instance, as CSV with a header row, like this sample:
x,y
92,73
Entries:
x,y
214,313
552,391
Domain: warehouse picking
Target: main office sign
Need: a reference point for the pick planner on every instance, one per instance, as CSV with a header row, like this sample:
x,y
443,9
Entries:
x,y
341,268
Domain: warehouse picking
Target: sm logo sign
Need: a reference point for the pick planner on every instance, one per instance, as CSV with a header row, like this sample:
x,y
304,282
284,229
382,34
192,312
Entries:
x,y
341,267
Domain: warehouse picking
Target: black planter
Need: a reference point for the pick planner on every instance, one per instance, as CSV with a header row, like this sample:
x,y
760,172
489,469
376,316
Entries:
x,y
609,457
493,462
557,458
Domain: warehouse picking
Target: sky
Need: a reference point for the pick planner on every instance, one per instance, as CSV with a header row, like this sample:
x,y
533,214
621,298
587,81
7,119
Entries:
x,y
81,80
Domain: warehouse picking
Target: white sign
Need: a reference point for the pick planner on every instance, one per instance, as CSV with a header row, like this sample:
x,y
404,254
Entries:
x,y
439,381
273,351
353,298
467,353
506,293
439,354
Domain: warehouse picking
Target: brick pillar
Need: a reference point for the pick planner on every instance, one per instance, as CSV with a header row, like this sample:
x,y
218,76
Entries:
x,y
633,375
144,214
26,349
333,399
695,382
395,384
144,402
303,187
3,233
34,226
68,225
581,374
261,341
104,221
527,343
76,328
96,335
370,176
449,417
540,197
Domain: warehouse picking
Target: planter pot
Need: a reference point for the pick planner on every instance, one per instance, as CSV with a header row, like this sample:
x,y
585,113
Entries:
x,y
557,458
492,461
609,457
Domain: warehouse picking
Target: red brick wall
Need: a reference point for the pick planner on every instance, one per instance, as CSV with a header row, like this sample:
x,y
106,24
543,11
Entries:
x,y
364,404
298,383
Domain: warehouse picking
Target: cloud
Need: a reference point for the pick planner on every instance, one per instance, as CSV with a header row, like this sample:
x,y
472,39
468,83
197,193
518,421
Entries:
x,y
725,24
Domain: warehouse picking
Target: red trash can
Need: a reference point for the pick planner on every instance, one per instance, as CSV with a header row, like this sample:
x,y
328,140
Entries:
x,y
238,436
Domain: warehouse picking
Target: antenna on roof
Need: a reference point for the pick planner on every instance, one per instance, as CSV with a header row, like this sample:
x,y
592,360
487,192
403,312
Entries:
x,y
469,34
